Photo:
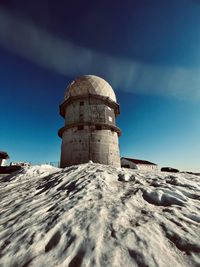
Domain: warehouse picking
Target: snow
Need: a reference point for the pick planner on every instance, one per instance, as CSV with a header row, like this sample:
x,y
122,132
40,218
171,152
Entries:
x,y
97,215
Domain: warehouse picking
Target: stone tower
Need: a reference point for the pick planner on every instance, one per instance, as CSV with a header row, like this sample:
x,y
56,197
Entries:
x,y
89,109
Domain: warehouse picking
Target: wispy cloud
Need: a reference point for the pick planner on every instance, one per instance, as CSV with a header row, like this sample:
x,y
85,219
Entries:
x,y
51,52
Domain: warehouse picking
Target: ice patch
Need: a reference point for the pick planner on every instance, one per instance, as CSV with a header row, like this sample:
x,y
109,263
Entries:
x,y
162,198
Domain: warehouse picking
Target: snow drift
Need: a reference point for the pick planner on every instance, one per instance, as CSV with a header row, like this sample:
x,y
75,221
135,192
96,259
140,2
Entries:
x,y
96,215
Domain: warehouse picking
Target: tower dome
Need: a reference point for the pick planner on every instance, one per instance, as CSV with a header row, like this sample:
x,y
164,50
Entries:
x,y
90,84
90,132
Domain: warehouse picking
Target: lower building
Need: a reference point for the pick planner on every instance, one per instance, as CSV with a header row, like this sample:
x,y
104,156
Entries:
x,y
22,164
3,157
138,164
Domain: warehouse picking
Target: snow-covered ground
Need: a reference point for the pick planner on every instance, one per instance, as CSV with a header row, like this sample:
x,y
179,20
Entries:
x,y
96,215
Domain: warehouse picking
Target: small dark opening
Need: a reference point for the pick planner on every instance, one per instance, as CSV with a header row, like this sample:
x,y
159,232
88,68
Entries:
x,y
126,166
81,103
98,127
80,127
81,117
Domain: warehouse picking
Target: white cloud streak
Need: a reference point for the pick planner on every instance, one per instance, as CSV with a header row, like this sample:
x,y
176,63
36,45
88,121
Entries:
x,y
65,58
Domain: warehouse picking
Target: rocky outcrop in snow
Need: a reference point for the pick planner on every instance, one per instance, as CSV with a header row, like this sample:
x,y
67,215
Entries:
x,y
96,215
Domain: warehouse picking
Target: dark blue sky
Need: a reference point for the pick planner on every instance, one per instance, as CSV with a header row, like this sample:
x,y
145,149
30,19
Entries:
x,y
148,50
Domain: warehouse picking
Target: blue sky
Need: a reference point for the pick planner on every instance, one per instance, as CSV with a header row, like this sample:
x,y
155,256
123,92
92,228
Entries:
x,y
148,51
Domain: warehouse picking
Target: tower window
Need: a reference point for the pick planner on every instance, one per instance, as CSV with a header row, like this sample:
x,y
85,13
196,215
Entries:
x,y
80,127
81,117
81,103
98,127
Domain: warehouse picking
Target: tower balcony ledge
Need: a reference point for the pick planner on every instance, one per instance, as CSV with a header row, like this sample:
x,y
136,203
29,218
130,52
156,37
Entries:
x,y
104,126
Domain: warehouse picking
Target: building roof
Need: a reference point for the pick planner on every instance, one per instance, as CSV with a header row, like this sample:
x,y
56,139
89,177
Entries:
x,y
90,84
139,161
3,155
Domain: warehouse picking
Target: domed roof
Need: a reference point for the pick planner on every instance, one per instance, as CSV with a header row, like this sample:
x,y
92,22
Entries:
x,y
90,84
